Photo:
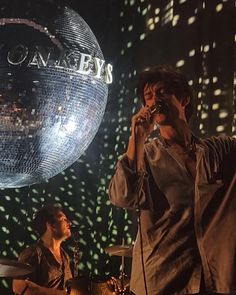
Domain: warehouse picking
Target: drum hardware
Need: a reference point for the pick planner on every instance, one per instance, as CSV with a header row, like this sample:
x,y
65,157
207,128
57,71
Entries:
x,y
14,269
120,250
122,276
76,255
85,285
123,251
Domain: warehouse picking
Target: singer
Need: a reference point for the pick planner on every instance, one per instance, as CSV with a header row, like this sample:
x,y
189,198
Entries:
x,y
184,190
50,261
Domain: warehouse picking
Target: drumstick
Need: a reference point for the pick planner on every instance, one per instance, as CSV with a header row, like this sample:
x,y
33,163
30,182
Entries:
x,y
24,290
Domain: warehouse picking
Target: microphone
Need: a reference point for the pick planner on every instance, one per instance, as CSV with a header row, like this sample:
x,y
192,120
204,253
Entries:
x,y
158,108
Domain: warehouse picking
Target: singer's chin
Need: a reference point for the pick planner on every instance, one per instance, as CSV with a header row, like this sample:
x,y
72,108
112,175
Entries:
x,y
68,233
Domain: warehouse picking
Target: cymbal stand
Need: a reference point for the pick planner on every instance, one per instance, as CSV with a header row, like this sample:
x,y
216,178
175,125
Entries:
x,y
77,255
122,273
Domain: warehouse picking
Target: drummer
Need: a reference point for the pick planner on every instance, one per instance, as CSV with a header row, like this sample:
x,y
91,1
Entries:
x,y
47,257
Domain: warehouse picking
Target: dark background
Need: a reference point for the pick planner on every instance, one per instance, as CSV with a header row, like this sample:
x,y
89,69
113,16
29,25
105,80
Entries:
x,y
196,36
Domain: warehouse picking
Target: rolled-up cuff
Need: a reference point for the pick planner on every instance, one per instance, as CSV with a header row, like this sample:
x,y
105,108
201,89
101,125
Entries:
x,y
124,163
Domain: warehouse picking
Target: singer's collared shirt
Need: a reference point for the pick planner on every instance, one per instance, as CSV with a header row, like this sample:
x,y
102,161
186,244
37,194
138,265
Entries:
x,y
188,225
48,272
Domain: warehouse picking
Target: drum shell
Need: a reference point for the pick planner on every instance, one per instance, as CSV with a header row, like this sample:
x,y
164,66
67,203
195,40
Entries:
x,y
79,286
89,286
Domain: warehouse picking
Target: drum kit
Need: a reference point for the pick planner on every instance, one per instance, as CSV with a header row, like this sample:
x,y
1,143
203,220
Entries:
x,y
122,285
14,269
80,286
109,285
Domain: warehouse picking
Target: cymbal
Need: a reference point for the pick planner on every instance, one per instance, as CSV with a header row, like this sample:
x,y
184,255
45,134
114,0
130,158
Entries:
x,y
120,250
14,269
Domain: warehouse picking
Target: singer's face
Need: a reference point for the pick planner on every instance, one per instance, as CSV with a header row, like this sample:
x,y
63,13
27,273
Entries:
x,y
156,92
61,227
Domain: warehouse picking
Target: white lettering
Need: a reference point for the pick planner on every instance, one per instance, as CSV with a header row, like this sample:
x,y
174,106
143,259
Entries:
x,y
75,61
108,71
72,60
17,54
38,60
98,66
84,64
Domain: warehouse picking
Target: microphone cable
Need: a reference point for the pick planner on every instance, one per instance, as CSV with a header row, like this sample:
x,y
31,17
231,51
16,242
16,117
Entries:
x,y
138,211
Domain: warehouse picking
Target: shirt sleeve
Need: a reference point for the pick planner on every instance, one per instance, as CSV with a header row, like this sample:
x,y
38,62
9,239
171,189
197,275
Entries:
x,y
222,156
127,188
31,256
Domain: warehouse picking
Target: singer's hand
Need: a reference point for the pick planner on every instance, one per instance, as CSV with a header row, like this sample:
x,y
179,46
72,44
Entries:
x,y
142,124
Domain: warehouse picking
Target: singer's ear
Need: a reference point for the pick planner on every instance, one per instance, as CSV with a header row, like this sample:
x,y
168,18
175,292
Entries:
x,y
50,225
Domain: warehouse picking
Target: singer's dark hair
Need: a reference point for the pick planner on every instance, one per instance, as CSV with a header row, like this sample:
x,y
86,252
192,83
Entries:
x,y
47,214
174,82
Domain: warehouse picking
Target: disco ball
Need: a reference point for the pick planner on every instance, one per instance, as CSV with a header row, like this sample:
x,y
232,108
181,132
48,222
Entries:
x,y
53,90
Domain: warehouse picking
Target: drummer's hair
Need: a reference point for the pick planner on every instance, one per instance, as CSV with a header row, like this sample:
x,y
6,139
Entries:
x,y
47,214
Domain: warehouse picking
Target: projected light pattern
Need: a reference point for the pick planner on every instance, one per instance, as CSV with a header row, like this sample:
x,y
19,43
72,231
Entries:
x,y
183,33
163,32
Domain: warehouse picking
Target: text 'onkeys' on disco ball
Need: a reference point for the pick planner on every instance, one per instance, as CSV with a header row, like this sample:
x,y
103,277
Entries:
x,y
53,90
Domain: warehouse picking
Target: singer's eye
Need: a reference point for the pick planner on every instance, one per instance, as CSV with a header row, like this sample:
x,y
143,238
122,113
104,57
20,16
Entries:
x,y
162,92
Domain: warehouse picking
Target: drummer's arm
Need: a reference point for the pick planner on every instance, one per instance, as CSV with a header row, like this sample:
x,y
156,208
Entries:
x,y
29,256
33,289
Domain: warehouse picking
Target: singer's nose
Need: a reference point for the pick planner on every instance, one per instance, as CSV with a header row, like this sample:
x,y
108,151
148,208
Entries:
x,y
69,223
